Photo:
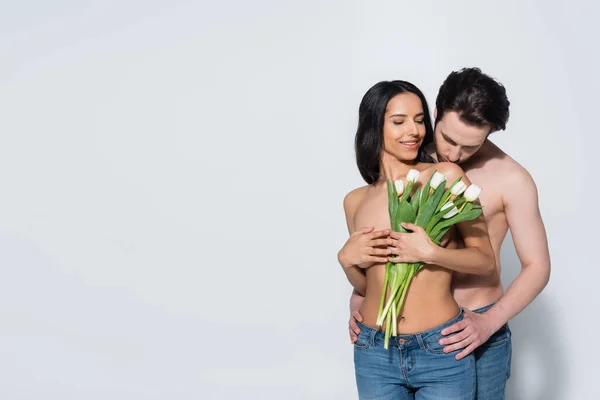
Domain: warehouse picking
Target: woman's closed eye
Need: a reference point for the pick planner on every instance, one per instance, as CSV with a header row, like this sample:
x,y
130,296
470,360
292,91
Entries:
x,y
421,122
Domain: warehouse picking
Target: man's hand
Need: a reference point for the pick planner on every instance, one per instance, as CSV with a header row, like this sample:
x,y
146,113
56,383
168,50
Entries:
x,y
473,330
412,246
355,302
353,328
365,247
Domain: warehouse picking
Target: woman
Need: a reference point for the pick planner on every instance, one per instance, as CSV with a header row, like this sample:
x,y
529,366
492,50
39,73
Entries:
x,y
394,128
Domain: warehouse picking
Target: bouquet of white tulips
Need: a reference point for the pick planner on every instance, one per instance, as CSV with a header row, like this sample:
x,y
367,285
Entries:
x,y
435,209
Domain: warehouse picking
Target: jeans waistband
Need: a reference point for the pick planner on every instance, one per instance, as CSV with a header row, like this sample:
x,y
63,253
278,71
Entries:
x,y
414,339
483,309
504,328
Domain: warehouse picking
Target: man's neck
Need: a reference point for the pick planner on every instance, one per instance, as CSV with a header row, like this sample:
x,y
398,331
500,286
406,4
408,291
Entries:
x,y
486,152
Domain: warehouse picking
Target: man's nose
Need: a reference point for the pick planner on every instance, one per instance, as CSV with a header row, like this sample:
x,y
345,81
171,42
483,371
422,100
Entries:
x,y
454,155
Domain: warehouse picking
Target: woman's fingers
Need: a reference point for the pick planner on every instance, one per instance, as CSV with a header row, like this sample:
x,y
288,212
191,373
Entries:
x,y
378,259
381,242
380,252
379,234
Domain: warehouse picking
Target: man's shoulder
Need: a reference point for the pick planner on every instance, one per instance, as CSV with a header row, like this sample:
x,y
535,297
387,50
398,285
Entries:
x,y
503,167
509,177
511,170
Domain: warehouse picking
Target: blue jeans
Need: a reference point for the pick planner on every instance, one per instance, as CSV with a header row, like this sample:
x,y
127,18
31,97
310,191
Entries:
x,y
492,360
413,367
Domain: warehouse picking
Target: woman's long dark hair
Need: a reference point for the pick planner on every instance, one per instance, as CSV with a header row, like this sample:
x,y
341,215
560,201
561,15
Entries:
x,y
368,143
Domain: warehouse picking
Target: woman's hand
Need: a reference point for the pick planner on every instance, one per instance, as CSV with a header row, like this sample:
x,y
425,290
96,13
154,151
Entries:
x,y
410,247
365,247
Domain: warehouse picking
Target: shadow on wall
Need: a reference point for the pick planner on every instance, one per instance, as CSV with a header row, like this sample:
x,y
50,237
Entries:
x,y
538,368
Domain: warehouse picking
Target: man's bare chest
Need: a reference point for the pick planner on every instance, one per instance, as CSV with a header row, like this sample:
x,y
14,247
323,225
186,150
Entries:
x,y
491,194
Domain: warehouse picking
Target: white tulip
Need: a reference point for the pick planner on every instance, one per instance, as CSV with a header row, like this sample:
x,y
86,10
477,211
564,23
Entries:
x,y
447,206
399,184
451,213
472,193
436,179
412,175
458,188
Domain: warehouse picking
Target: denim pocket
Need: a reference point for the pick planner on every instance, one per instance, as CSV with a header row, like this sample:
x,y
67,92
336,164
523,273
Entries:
x,y
364,339
509,350
432,343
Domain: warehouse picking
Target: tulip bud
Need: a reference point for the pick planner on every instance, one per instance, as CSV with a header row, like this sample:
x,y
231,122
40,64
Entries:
x,y
447,206
451,213
458,188
472,193
412,175
436,179
399,184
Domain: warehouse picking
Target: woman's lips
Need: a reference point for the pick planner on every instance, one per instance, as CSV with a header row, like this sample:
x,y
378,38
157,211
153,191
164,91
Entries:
x,y
410,144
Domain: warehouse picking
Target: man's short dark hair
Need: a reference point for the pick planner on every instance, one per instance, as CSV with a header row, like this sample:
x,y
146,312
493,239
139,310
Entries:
x,y
478,99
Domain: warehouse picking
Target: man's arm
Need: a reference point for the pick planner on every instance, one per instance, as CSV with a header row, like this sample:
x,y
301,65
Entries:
x,y
356,276
356,300
477,256
529,236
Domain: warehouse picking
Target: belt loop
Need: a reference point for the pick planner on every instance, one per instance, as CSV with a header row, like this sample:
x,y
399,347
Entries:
x,y
372,337
420,341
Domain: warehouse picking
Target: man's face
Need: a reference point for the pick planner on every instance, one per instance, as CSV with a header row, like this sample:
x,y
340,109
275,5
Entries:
x,y
456,141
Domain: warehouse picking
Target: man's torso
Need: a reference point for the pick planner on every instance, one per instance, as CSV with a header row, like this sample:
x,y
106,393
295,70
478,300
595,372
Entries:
x,y
491,171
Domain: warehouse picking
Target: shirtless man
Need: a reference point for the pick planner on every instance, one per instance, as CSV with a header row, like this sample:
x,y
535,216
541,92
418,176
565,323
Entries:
x,y
469,107
393,130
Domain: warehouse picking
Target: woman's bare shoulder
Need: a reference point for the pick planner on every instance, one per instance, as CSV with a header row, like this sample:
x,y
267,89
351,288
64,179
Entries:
x,y
450,170
353,199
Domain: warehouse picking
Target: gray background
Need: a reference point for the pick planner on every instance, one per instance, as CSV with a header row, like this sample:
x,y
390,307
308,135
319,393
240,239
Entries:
x,y
172,178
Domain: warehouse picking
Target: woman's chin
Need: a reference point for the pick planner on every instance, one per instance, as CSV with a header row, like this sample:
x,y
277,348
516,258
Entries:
x,y
408,156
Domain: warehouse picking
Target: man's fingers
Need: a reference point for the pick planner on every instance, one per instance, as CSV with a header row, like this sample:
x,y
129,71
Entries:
x,y
353,337
457,346
353,327
459,326
454,338
356,316
468,350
